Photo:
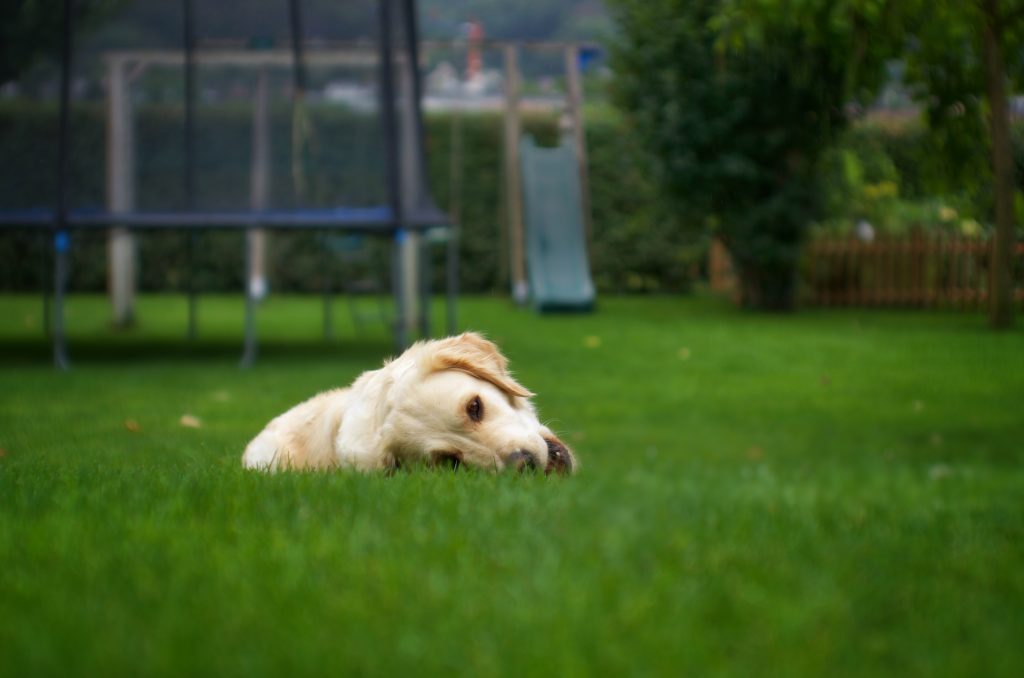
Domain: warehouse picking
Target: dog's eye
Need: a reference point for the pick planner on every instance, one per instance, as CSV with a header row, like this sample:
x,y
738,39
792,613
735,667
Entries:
x,y
475,408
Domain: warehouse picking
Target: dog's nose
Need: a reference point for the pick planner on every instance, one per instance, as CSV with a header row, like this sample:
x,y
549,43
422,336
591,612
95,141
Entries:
x,y
559,457
520,461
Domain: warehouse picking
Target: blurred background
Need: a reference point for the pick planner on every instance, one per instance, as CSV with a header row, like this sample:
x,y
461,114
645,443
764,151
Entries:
x,y
792,153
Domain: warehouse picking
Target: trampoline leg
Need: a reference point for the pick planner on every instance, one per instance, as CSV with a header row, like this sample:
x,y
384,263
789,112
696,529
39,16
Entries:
x,y
451,262
61,240
191,287
424,256
328,316
61,245
44,267
192,310
397,281
251,347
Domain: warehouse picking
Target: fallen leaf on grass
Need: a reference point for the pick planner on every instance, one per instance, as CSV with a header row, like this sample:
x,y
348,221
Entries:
x,y
3,453
591,341
189,421
826,380
755,453
132,425
684,353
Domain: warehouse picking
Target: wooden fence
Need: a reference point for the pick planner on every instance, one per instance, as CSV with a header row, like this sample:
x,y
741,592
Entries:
x,y
920,270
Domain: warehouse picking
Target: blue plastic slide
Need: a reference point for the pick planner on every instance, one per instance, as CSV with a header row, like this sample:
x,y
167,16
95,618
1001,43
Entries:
x,y
556,251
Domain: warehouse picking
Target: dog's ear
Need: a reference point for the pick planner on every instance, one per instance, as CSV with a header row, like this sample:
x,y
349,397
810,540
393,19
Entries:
x,y
470,352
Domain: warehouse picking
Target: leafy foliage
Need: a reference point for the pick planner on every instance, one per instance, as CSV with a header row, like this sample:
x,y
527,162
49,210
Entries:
x,y
892,175
738,100
964,53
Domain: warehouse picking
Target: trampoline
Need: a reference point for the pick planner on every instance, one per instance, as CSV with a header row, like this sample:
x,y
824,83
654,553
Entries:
x,y
391,200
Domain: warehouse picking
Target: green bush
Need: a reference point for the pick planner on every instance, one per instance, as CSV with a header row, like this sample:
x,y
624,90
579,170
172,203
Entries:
x,y
737,102
894,173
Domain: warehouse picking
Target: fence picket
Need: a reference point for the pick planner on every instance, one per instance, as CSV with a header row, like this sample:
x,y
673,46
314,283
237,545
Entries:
x,y
921,270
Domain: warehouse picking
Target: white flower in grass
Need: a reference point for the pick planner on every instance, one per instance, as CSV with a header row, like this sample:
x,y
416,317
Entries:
x,y
190,421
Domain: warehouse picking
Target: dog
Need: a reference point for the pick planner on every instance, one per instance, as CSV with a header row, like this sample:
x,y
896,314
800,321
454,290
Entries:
x,y
446,402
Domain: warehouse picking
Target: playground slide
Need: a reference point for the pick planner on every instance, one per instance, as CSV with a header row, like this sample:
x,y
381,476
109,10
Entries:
x,y
556,250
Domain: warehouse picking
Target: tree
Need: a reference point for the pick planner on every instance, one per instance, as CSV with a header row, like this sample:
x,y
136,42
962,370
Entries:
x,y
958,55
737,100
995,26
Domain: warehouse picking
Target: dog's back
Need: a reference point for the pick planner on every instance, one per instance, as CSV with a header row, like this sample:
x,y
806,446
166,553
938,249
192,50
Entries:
x,y
301,438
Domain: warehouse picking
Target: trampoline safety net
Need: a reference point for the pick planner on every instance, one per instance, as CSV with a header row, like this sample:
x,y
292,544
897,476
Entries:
x,y
212,115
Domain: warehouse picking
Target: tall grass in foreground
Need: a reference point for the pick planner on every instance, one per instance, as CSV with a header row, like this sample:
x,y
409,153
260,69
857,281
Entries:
x,y
830,493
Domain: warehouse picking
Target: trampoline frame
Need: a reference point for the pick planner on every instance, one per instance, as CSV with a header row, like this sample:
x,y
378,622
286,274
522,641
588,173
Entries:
x,y
395,220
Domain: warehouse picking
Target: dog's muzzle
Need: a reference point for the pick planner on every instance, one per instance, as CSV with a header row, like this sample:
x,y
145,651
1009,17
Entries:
x,y
521,461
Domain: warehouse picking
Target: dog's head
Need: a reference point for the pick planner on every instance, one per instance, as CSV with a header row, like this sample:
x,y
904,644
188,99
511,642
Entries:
x,y
453,401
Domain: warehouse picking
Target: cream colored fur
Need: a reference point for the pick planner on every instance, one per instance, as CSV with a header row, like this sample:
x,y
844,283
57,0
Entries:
x,y
414,410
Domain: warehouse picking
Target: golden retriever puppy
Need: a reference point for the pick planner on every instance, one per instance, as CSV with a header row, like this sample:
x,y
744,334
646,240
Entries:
x,y
445,402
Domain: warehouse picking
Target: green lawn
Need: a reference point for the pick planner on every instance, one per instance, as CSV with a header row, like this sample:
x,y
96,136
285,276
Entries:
x,y
835,493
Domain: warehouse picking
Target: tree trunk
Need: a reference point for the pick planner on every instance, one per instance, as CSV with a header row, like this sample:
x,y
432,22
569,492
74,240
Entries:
x,y
1001,287
766,287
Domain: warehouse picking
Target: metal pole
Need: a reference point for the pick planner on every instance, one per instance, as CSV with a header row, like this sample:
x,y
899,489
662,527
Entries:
x,y
451,259
391,155
574,99
255,245
424,284
299,148
188,8
408,170
413,178
397,283
298,58
61,241
328,299
259,183
513,195
120,193
61,247
299,120
452,277
251,348
44,268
